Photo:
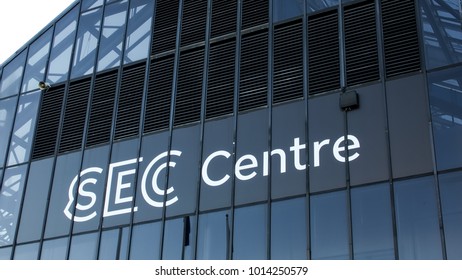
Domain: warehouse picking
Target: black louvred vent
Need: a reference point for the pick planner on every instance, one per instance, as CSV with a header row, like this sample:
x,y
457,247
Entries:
x,y
224,16
400,37
254,70
75,115
48,122
288,61
157,114
220,84
130,101
165,25
194,21
189,90
362,61
254,12
102,108
323,52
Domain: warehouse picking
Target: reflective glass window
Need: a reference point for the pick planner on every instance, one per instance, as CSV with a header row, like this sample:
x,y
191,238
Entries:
x,y
145,244
90,4
288,230
10,202
451,196
26,252
329,226
35,200
417,219
108,245
63,42
86,43
139,30
24,128
372,223
5,253
285,9
54,249
63,194
110,47
179,239
84,246
213,236
37,61
442,34
314,6
250,240
7,110
445,89
12,76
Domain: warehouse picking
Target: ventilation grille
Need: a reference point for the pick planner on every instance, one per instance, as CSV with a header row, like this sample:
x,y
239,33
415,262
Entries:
x,y
159,94
102,107
254,12
224,16
362,62
288,61
254,70
401,43
220,88
189,91
48,122
75,115
130,101
323,52
164,37
194,21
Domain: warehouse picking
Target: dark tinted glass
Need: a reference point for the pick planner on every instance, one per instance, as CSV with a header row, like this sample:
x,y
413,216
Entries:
x,y
372,223
54,249
109,245
250,226
417,219
451,195
329,227
173,239
84,246
145,244
314,6
288,230
213,236
285,9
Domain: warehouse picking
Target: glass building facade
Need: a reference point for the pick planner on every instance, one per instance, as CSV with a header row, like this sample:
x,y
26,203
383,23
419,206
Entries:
x,y
237,129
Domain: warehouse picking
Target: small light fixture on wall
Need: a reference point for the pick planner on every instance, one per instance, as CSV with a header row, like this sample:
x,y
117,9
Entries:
x,y
349,100
43,86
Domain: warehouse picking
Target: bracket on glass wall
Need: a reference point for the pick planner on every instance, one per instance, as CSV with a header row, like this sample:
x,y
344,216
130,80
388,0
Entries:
x,y
349,100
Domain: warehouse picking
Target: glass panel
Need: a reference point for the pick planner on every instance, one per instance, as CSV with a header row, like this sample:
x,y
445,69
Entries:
x,y
139,30
108,246
5,253
145,243
372,223
314,6
329,228
90,196
26,252
35,200
90,4
10,202
285,9
62,202
12,76
24,128
84,246
173,239
417,219
441,31
213,236
86,43
37,61
288,230
7,110
446,106
63,43
451,195
250,225
54,249
110,48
